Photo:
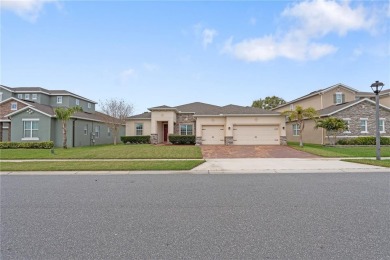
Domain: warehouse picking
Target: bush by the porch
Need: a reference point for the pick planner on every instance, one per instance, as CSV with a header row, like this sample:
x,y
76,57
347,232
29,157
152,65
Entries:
x,y
138,139
182,139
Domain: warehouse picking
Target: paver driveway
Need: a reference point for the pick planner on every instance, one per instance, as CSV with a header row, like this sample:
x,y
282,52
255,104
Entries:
x,y
252,151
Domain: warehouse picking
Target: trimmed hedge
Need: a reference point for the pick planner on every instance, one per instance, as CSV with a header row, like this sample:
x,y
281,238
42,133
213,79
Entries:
x,y
363,140
182,139
27,145
137,139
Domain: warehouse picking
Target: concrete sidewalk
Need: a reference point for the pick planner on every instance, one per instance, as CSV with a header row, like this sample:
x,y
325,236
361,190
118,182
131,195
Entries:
x,y
283,165
249,165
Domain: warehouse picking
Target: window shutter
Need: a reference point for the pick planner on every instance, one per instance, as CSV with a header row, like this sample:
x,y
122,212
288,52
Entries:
x,y
342,98
334,98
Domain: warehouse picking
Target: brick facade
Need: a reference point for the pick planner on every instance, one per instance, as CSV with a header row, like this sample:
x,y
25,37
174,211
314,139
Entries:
x,y
5,108
185,118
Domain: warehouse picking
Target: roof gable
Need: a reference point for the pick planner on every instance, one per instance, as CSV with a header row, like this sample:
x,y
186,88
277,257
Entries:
x,y
328,111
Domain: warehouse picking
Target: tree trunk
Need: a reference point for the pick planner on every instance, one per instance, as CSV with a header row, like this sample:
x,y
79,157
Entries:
x,y
301,126
115,134
65,139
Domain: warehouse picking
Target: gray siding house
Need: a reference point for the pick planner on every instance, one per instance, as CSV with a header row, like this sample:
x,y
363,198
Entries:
x,y
27,115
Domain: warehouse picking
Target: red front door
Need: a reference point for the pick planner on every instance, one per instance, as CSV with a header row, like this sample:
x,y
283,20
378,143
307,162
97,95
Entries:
x,y
165,132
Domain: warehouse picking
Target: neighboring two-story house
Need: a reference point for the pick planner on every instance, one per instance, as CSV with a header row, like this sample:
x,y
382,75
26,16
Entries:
x,y
356,108
216,125
27,114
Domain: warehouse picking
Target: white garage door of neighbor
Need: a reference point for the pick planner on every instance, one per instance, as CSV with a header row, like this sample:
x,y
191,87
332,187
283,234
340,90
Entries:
x,y
256,135
213,134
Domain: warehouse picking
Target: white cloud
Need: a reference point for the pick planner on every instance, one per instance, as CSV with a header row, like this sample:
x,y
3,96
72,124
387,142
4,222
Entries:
x,y
27,9
127,74
208,36
150,66
310,21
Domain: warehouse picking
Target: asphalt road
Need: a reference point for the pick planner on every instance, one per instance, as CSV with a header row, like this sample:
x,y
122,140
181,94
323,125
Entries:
x,y
263,216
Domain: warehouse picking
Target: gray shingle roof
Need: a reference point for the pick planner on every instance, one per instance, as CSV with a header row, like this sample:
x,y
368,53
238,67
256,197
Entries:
x,y
145,115
203,109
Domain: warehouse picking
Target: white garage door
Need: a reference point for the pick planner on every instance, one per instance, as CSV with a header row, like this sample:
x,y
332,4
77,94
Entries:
x,y
213,134
256,135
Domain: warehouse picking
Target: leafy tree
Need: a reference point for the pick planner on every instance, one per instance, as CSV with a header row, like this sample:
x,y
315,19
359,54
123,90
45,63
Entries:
x,y
115,113
299,115
269,102
64,114
332,125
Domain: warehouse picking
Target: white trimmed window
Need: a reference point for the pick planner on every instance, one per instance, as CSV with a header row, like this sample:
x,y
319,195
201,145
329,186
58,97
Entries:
x,y
14,106
382,125
108,131
139,129
338,98
59,99
295,128
20,96
186,129
363,125
347,121
97,131
77,102
26,96
34,96
85,129
30,129
89,105
291,107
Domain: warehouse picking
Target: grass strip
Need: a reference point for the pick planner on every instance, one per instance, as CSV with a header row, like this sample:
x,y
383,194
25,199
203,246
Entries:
x,y
340,151
383,163
101,166
120,151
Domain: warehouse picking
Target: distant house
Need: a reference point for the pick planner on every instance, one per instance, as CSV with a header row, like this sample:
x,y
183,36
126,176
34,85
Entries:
x,y
355,107
216,125
27,115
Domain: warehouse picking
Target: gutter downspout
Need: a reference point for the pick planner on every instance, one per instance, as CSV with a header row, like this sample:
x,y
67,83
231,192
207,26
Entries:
x,y
73,132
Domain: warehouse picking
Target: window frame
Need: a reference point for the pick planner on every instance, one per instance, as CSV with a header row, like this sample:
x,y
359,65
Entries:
x,y
295,131
141,129
89,105
77,102
365,125
31,130
27,96
186,129
108,132
59,99
339,95
97,131
382,128
14,106
20,96
86,129
34,96
347,120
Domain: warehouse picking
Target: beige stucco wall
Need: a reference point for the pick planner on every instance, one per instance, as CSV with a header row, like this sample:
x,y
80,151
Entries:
x,y
321,100
327,98
201,121
253,120
310,135
385,100
162,116
130,126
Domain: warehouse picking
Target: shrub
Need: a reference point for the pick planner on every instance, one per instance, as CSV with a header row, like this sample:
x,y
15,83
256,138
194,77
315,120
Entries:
x,y
137,139
182,139
363,140
27,145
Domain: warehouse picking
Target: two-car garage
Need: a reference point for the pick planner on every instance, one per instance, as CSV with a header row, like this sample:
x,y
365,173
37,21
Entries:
x,y
256,135
242,135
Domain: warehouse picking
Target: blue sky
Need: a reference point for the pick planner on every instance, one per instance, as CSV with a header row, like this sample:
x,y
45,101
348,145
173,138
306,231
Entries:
x,y
175,52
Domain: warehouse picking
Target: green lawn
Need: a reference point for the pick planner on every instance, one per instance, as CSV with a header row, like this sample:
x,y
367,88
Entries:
x,y
328,151
101,165
383,163
120,151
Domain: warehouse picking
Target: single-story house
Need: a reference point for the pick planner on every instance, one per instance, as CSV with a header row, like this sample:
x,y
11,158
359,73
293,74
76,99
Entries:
x,y
211,124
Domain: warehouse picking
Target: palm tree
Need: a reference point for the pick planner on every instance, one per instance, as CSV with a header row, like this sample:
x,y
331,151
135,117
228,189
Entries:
x,y
299,115
332,125
64,115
